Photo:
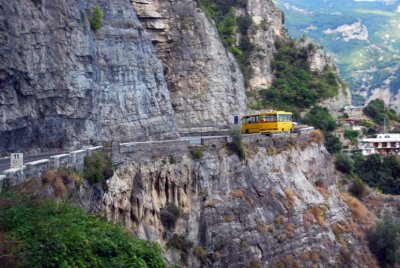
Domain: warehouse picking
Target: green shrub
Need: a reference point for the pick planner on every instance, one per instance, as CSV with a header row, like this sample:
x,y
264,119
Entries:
x,y
332,143
384,242
98,167
344,163
43,233
351,134
377,110
196,152
382,173
357,188
169,216
237,142
96,21
319,117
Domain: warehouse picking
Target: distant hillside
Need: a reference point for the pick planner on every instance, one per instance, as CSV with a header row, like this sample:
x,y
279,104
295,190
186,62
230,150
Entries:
x,y
362,36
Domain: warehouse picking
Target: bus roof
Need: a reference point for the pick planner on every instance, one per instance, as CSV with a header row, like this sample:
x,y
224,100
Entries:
x,y
268,113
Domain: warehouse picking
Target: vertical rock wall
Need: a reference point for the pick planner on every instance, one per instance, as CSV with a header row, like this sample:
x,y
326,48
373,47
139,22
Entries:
x,y
204,81
63,84
268,26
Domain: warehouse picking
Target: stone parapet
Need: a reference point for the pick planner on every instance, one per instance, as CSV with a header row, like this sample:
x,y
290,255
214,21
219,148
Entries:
x,y
75,160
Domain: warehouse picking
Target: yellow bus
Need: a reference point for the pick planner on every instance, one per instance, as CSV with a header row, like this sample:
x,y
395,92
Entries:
x,y
267,122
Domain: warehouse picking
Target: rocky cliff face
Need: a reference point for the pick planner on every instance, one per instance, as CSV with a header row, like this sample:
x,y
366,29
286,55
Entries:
x,y
319,62
271,210
204,81
268,25
63,84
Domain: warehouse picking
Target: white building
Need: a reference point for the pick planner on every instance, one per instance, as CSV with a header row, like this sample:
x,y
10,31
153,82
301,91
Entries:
x,y
384,144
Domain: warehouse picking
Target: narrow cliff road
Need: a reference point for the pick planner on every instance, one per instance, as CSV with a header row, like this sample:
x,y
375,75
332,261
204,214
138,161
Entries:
x,y
5,161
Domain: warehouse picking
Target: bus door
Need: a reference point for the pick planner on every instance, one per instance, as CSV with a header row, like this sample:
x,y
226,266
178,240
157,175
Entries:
x,y
251,124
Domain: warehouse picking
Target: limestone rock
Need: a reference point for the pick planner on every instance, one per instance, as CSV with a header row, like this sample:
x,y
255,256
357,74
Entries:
x,y
63,84
280,205
268,20
204,80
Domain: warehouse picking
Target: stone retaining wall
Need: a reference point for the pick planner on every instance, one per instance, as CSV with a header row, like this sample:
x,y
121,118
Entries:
x,y
75,160
131,151
140,150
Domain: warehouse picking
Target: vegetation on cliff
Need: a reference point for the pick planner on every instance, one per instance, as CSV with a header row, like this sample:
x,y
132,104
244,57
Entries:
x,y
96,21
320,118
98,167
41,233
379,172
296,87
228,25
379,113
384,242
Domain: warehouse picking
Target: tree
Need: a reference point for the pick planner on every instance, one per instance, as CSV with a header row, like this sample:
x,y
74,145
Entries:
x,y
96,22
332,143
384,242
379,113
344,163
319,117
357,188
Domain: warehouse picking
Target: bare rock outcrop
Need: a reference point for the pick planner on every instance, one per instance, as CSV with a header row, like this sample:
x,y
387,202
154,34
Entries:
x,y
63,84
270,210
268,20
204,80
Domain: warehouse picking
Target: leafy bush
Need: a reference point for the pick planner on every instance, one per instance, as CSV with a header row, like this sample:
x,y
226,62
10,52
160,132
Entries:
x,y
98,167
382,173
96,21
169,216
196,152
379,113
332,143
351,134
384,242
344,163
357,188
237,142
319,117
51,234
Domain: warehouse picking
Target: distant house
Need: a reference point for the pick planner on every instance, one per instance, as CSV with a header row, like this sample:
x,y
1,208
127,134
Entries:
x,y
384,144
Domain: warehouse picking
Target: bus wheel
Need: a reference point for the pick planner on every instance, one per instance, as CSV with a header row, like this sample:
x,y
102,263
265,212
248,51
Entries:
x,y
247,131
